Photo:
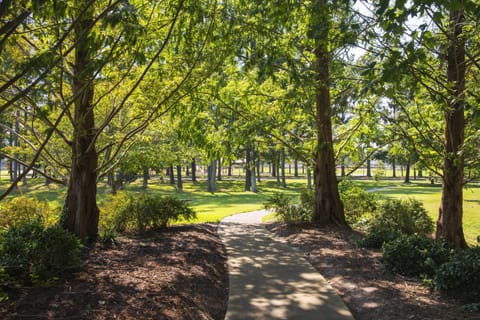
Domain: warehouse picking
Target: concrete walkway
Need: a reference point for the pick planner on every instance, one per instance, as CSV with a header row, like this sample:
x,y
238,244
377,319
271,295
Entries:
x,y
269,280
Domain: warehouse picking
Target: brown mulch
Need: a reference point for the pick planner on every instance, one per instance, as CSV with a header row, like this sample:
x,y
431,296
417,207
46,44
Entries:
x,y
177,274
360,279
181,274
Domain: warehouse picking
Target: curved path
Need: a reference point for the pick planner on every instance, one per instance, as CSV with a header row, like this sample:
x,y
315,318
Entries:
x,y
269,280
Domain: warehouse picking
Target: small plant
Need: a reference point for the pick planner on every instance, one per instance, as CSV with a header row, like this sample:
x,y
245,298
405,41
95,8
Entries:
x,y
140,213
460,277
287,212
406,255
22,209
357,202
376,238
407,216
31,253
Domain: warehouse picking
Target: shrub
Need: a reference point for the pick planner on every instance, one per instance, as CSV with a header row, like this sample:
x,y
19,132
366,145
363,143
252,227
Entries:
x,y
357,202
22,209
30,253
406,255
287,212
460,277
142,212
407,216
376,238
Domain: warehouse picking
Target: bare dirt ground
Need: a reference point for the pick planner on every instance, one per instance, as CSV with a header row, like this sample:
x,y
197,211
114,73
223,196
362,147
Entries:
x,y
177,274
181,274
361,280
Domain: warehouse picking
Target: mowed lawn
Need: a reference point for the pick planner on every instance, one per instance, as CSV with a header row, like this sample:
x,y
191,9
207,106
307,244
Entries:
x,y
231,198
430,195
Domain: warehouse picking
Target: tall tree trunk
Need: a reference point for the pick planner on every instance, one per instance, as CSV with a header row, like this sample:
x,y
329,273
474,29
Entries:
x,y
145,178
328,206
80,212
248,172
229,172
179,178
394,169
407,172
194,170
282,165
171,174
449,223
253,170
211,174
369,168
295,168
219,171
309,178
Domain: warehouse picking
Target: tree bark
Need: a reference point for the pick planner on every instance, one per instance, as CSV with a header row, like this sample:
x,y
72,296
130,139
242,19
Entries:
x,y
248,172
282,165
80,212
219,171
194,170
369,168
449,223
145,179
171,174
179,178
328,206
394,169
211,174
407,172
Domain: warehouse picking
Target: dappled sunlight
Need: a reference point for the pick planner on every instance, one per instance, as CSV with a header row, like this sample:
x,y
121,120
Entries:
x,y
269,280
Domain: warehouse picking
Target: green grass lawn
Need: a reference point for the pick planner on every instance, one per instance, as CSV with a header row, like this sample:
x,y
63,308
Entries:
x,y
231,198
430,195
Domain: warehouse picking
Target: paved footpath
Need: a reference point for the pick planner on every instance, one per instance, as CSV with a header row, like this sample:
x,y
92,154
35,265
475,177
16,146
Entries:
x,y
269,280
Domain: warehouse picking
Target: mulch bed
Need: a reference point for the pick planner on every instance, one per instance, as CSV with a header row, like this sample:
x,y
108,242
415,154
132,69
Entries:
x,y
177,274
360,279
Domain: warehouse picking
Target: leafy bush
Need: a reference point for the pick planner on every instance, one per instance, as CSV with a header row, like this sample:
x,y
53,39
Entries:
x,y
415,255
357,202
31,253
22,209
142,212
406,255
407,216
287,212
376,238
460,277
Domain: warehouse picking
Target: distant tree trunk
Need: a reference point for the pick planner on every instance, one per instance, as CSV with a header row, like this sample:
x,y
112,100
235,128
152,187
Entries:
x,y
211,175
253,170
420,173
145,178
259,170
394,169
414,173
171,174
369,168
343,170
328,206
229,171
80,213
295,168
219,174
194,170
282,165
179,178
248,172
309,178
407,172
449,223
187,171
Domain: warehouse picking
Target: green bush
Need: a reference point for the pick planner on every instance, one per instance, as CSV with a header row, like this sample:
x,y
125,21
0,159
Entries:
x,y
291,214
407,216
31,253
376,238
460,277
357,202
140,213
406,255
22,209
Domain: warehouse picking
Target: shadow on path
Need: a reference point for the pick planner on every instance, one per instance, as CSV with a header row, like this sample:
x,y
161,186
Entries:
x,y
269,280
